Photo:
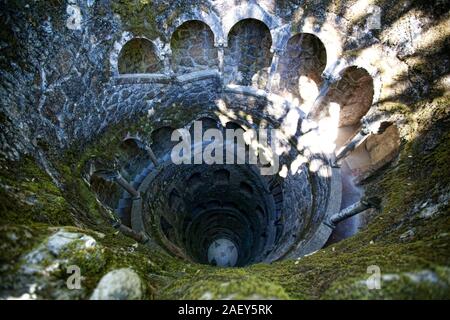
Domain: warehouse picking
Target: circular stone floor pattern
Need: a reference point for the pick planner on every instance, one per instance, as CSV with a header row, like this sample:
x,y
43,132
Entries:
x,y
222,253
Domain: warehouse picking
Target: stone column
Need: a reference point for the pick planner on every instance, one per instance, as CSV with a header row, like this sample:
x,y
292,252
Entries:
x,y
138,236
273,68
328,81
166,55
152,155
355,142
111,175
358,207
220,45
127,186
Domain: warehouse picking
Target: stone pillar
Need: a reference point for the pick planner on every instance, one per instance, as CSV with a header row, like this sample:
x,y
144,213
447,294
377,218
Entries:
x,y
138,236
355,142
166,55
111,175
128,187
329,80
273,68
152,155
220,45
352,210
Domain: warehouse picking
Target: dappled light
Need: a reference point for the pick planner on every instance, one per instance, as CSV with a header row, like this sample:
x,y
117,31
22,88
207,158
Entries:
x,y
224,150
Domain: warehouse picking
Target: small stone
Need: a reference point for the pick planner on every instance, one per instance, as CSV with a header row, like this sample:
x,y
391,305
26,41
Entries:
x,y
390,277
119,284
429,212
61,239
423,276
206,296
12,236
407,235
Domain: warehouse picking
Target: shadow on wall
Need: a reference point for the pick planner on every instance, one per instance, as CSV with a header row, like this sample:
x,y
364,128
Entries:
x,y
138,56
248,56
377,151
193,48
300,69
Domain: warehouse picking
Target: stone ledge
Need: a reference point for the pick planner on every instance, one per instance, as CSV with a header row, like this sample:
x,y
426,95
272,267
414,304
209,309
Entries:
x,y
138,78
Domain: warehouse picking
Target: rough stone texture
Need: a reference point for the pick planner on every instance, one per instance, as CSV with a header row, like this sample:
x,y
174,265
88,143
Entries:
x,y
40,269
35,261
354,94
304,57
248,56
383,147
377,151
139,56
423,284
64,111
62,105
120,284
193,48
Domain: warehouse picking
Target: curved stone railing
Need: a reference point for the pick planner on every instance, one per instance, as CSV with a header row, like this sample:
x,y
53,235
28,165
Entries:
x,y
317,238
273,106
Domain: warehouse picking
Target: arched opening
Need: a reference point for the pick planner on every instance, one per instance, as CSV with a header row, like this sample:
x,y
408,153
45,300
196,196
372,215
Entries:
x,y
351,97
193,48
354,93
138,56
161,140
378,149
248,56
300,68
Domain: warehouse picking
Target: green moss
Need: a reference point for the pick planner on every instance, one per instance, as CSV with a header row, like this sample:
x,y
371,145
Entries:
x,y
91,261
112,251
115,251
216,284
29,195
395,107
139,16
17,240
421,284
421,175
418,177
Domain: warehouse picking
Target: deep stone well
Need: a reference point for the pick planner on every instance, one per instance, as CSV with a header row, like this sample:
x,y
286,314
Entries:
x,y
91,93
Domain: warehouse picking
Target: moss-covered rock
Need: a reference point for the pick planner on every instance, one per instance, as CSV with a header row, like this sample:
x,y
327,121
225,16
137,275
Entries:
x,y
43,262
423,284
50,222
214,287
28,194
119,284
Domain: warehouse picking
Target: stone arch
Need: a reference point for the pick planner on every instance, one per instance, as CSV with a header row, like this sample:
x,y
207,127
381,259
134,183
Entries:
x,y
354,93
248,55
249,11
300,68
331,33
192,46
161,140
367,61
210,19
133,143
207,121
139,55
374,153
222,176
